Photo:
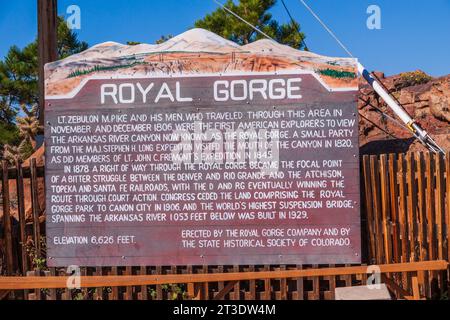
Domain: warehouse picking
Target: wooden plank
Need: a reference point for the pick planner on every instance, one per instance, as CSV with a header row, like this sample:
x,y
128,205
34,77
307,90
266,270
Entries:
x,y
421,235
36,295
415,287
197,291
237,286
128,289
99,290
412,205
21,214
267,285
4,294
300,286
191,291
144,290
348,277
115,289
7,228
84,290
31,296
283,285
47,45
52,292
402,193
67,293
205,286
315,293
200,287
369,207
220,284
190,286
225,290
394,209
159,291
363,276
440,213
402,208
421,215
35,208
421,281
430,212
375,182
385,209
329,295
447,175
393,190
19,283
252,284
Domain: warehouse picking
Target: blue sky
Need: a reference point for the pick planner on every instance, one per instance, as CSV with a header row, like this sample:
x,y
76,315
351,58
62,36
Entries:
x,y
415,34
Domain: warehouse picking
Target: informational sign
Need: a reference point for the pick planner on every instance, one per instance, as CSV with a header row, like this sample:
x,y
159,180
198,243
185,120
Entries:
x,y
248,168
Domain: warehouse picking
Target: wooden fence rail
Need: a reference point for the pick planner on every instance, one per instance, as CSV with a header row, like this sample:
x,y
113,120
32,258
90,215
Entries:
x,y
405,218
55,282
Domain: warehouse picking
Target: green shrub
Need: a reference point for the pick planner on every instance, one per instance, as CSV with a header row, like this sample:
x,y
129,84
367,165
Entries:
x,y
414,78
98,68
337,74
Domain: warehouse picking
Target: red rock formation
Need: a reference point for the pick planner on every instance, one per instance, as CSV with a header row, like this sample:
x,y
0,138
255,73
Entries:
x,y
426,99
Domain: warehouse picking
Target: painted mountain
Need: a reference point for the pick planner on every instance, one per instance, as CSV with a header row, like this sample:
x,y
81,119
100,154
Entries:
x,y
193,52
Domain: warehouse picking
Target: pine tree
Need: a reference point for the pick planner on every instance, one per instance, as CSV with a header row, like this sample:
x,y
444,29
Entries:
x,y
19,70
257,13
164,39
68,43
19,91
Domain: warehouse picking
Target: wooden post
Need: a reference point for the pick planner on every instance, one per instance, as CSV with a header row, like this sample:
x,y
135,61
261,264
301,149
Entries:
x,y
7,229
369,207
144,292
447,214
385,208
415,287
22,220
440,212
47,44
35,208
